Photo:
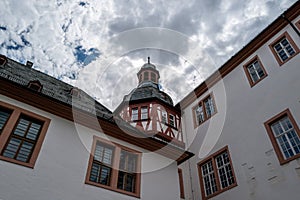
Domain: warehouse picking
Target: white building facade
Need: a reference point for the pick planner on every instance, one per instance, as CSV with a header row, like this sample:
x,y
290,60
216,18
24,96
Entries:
x,y
236,136
242,123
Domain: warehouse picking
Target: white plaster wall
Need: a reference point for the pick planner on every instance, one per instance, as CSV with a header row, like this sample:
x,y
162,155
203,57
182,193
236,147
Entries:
x,y
60,169
257,169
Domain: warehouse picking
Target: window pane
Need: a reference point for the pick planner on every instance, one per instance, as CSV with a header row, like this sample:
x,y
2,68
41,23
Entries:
x,y
134,114
126,176
209,179
24,152
153,77
172,120
21,127
286,137
224,170
144,113
126,181
21,143
199,114
33,131
102,162
12,148
164,117
4,115
209,107
103,153
284,49
146,76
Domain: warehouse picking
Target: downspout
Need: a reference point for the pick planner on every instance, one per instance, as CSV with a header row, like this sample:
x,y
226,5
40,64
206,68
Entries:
x,y
292,25
189,162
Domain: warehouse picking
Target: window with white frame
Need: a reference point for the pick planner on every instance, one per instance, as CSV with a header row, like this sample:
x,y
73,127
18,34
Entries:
x,y
134,114
172,120
255,71
216,174
164,117
204,110
284,48
144,112
209,106
285,136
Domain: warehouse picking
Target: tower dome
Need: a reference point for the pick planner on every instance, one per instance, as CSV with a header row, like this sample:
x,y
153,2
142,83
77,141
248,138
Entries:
x,y
151,110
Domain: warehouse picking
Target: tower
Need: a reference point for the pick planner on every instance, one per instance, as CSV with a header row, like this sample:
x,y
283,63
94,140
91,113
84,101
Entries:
x,y
151,110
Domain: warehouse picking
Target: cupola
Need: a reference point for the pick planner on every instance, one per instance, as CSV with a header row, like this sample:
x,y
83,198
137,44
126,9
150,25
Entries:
x,y
148,73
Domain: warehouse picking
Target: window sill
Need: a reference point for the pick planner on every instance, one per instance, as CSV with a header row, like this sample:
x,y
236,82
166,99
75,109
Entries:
x,y
137,195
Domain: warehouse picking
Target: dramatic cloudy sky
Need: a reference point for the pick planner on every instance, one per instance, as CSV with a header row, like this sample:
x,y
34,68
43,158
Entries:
x,y
100,45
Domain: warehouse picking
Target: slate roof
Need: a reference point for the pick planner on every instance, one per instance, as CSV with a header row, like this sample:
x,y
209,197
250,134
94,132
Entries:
x,y
148,90
52,88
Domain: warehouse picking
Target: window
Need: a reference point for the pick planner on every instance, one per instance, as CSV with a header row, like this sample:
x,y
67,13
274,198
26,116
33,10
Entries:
x,y
255,71
75,92
2,60
172,120
4,115
285,136
35,85
204,110
134,114
127,171
114,167
102,164
146,76
22,134
153,77
298,24
144,112
164,117
216,174
284,48
181,185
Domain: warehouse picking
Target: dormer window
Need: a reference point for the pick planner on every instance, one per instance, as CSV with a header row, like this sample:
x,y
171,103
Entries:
x,y
75,92
2,60
35,85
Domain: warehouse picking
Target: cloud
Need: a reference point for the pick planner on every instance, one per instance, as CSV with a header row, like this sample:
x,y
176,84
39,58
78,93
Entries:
x,y
100,45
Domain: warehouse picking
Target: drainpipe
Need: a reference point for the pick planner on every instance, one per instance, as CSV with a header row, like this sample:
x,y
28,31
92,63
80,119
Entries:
x,y
292,25
189,162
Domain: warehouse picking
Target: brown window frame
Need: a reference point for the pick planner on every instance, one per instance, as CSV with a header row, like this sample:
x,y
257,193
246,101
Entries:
x,y
216,174
181,184
9,127
3,60
201,102
248,75
276,118
291,42
115,167
298,24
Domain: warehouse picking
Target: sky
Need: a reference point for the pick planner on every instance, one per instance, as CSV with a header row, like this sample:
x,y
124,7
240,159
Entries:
x,y
99,46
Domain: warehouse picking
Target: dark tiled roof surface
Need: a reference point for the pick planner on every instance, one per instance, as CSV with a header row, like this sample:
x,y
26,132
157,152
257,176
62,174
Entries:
x,y
53,88
148,90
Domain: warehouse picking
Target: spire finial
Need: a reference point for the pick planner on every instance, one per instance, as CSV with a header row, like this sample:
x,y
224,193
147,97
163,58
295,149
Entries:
x,y
148,59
